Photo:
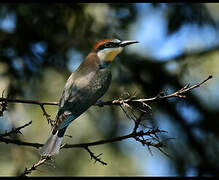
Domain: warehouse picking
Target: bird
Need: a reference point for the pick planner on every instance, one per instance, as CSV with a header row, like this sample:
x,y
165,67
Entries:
x,y
84,87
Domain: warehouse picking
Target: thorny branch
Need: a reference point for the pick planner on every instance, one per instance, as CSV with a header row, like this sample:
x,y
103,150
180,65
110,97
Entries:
x,y
96,158
50,121
83,145
34,166
15,130
41,104
148,138
132,101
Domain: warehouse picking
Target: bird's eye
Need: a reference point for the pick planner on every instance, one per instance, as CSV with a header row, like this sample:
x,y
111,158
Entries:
x,y
107,45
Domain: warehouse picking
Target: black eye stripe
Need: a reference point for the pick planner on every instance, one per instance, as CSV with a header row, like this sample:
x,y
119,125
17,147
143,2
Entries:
x,y
108,45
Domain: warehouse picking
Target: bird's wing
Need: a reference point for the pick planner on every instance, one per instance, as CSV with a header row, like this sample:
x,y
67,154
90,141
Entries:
x,y
67,90
75,92
80,93
64,116
72,102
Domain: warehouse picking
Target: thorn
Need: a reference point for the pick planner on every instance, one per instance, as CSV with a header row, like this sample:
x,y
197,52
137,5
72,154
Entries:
x,y
68,135
186,86
99,155
20,132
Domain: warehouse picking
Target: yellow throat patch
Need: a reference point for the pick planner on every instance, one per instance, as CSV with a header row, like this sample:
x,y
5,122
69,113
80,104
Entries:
x,y
108,55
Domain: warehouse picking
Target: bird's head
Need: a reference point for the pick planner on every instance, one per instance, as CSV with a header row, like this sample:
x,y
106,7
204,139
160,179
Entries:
x,y
108,49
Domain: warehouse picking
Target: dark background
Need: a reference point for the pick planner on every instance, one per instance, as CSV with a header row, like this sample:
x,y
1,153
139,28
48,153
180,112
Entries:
x,y
41,44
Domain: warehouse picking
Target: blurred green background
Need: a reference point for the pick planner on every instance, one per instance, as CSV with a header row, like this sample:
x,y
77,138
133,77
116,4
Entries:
x,y
41,44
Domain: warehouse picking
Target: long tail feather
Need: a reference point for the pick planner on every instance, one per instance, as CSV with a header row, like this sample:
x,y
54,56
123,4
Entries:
x,y
52,145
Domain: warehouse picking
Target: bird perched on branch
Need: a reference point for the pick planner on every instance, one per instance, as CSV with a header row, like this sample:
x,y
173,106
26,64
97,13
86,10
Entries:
x,y
83,88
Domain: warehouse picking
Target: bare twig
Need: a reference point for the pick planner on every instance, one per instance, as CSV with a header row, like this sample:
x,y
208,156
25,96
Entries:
x,y
137,123
83,145
180,93
34,166
41,104
19,142
133,134
96,158
15,130
50,121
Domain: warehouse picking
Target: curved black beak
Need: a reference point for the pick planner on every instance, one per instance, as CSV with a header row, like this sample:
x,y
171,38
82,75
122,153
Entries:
x,y
126,43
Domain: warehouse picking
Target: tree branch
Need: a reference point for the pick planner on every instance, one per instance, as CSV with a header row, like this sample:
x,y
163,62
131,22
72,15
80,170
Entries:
x,y
41,104
96,158
79,145
15,130
34,166
137,135
117,102
18,142
145,137
130,101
